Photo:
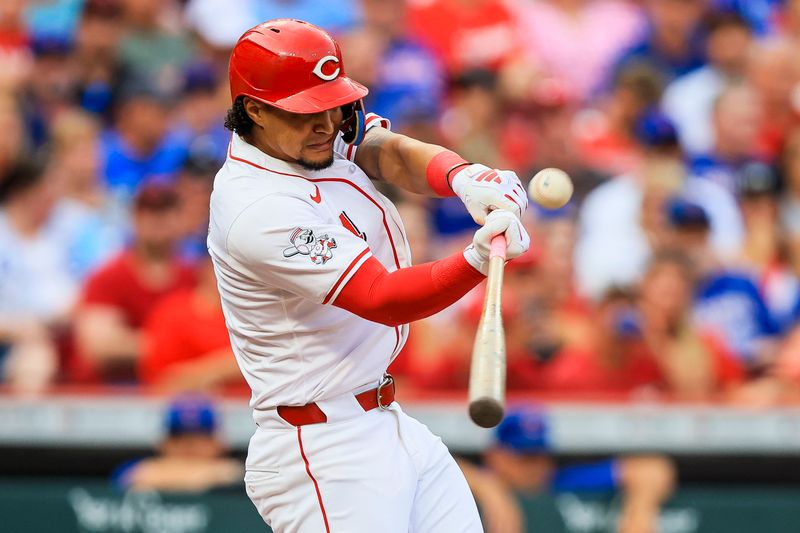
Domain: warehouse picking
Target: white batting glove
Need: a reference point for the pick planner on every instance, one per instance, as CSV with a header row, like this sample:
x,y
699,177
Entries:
x,y
497,222
483,189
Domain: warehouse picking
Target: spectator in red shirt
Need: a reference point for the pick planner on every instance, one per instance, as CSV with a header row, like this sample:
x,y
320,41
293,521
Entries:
x,y
186,342
466,34
606,135
119,296
15,55
613,358
696,363
773,73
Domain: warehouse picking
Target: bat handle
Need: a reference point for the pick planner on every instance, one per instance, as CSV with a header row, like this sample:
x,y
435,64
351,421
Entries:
x,y
497,248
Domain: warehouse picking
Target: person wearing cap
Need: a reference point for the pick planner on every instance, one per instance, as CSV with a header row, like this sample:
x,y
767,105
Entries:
x,y
726,297
317,287
200,113
190,458
763,251
140,147
521,461
117,298
622,221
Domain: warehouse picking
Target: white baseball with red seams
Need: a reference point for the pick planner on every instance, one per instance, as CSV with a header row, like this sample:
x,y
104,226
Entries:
x,y
284,241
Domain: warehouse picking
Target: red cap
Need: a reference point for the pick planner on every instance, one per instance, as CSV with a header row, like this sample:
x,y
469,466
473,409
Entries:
x,y
292,65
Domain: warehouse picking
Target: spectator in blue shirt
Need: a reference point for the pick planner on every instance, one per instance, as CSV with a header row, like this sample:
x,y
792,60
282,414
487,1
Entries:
x,y
727,300
191,456
200,120
673,44
521,461
760,14
736,121
139,147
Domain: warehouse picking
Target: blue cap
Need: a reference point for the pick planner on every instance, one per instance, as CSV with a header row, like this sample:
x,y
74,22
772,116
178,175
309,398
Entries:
x,y
51,45
200,77
656,130
191,414
524,430
683,213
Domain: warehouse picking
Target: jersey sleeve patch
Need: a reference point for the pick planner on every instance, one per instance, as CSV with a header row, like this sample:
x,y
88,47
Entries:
x,y
289,243
318,248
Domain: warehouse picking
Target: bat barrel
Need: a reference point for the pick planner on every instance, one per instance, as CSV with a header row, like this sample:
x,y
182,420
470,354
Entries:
x,y
486,412
487,381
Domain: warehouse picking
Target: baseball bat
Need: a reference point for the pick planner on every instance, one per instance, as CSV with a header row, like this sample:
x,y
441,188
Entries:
x,y
487,378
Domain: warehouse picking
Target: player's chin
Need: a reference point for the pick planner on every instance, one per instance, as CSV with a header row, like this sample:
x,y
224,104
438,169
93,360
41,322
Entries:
x,y
316,161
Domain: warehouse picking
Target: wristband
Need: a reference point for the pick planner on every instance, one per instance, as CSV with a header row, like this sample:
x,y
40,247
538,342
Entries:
x,y
439,169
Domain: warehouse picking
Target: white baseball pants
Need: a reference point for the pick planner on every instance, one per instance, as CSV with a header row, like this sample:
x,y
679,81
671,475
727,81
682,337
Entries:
x,y
377,471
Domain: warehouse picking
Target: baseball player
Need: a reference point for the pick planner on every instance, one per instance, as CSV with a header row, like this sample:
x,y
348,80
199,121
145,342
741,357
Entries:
x,y
317,288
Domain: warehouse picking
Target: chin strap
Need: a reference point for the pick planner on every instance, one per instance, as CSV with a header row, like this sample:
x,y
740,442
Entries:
x,y
354,125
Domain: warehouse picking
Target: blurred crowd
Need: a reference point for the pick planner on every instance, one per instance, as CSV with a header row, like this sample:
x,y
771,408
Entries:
x,y
674,272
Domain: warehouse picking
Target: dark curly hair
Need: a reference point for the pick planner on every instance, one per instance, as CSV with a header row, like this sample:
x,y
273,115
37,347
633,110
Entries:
x,y
236,118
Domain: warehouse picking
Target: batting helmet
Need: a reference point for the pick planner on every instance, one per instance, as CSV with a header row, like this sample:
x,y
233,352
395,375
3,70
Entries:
x,y
291,65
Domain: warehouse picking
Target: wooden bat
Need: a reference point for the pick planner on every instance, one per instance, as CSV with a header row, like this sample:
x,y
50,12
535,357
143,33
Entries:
x,y
487,378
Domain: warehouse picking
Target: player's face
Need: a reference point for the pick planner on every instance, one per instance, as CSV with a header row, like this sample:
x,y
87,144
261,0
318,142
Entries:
x,y
305,139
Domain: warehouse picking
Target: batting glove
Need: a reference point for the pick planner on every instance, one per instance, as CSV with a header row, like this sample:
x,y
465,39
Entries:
x,y
483,190
497,222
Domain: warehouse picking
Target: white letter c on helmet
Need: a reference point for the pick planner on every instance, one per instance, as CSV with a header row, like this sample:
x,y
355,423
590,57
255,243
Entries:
x,y
318,69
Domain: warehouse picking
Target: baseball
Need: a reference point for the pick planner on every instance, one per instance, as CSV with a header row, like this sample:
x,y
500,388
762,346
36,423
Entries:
x,y
551,188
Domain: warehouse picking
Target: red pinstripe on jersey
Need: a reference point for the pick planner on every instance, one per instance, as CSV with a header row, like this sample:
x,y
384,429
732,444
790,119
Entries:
x,y
316,485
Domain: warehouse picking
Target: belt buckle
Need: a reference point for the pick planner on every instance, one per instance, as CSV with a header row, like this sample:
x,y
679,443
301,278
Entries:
x,y
387,380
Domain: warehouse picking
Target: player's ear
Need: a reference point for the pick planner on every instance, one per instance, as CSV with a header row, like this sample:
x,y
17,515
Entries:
x,y
255,110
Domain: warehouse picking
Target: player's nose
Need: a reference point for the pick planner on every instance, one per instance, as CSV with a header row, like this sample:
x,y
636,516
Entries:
x,y
328,121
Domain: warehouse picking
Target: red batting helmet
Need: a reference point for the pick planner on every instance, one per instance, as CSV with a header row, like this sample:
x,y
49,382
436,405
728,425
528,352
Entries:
x,y
292,65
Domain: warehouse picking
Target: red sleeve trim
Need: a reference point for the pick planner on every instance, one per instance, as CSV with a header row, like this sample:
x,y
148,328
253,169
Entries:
x,y
382,122
347,270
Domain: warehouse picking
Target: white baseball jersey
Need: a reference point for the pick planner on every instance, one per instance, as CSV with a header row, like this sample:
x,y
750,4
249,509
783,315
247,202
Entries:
x,y
284,241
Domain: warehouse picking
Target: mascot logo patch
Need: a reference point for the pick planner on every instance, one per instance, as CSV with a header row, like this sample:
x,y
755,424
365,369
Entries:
x,y
304,242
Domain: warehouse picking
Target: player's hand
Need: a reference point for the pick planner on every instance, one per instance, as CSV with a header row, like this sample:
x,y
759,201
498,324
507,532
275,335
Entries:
x,y
483,190
497,222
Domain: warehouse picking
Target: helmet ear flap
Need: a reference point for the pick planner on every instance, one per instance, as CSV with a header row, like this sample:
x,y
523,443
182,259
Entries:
x,y
353,127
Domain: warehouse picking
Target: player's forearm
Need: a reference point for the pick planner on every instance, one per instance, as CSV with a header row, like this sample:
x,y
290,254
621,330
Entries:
x,y
399,160
407,294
